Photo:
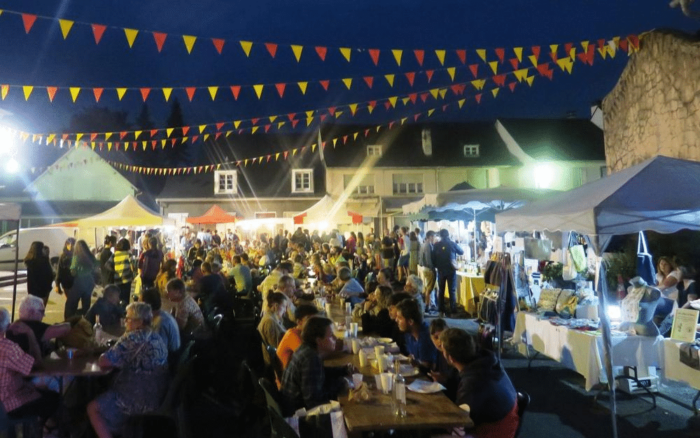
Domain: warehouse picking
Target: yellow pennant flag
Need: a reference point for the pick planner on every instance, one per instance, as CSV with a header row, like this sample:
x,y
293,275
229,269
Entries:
x,y
353,108
272,119
533,60
297,51
74,91
403,120
27,91
435,92
120,93
479,83
354,136
302,86
460,103
603,51
390,79
494,66
280,125
162,143
495,92
212,92
482,54
530,80
440,56
202,128
565,64
92,145
521,74
584,46
430,112
50,138
108,135
397,56
166,93
379,127
137,134
254,130
443,92
66,26
228,133
309,120
392,101
451,72
612,48
340,113
236,124
78,136
184,140
518,53
553,48
405,100
130,36
109,145
169,131
335,141
246,46
572,54
310,113
206,137
346,51
258,89
347,82
144,144
313,148
189,42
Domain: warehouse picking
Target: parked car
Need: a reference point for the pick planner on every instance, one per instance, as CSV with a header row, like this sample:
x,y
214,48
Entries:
x,y
53,237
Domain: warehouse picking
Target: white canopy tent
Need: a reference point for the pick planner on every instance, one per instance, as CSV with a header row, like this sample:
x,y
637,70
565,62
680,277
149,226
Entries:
x,y
13,212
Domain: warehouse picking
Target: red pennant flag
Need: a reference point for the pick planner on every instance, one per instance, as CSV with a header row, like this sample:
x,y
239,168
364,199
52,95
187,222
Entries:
x,y
321,51
219,126
64,136
429,74
153,145
366,132
235,90
567,48
462,55
93,136
323,117
601,43
369,80
271,48
280,89
294,123
268,158
474,68
218,44
331,110
325,84
217,135
512,86
195,138
145,92
98,93
345,139
543,68
413,97
501,53
117,144
172,142
254,121
478,98
267,128
159,38
154,132
291,116
420,55
287,153
374,53
387,105
424,96
122,135
372,104
52,92
550,74
444,108
98,30
623,45
415,117
536,52
101,145
190,92
185,130
391,125
553,55
514,62
500,80
28,20
411,76
634,41
457,89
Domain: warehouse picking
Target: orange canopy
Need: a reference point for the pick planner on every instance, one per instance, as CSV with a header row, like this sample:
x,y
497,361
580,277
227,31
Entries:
x,y
215,215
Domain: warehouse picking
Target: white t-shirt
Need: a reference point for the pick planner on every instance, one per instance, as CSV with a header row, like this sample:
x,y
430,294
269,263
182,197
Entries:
x,y
669,292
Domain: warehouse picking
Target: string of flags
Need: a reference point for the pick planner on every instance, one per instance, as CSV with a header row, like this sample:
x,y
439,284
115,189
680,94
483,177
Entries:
x,y
604,46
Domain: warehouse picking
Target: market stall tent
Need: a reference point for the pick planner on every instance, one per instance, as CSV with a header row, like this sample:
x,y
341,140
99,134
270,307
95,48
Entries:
x,y
128,213
334,212
13,212
215,215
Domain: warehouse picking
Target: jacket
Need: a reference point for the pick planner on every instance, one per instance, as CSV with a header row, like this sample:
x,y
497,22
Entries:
x,y
445,255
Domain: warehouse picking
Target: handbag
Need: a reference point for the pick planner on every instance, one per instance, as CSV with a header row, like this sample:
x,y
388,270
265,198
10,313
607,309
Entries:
x,y
645,263
689,355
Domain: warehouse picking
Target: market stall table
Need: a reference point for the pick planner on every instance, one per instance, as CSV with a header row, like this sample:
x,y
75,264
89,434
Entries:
x,y
469,287
674,369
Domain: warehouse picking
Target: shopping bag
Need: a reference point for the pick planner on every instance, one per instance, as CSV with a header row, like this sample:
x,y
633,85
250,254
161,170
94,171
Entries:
x,y
645,263
578,258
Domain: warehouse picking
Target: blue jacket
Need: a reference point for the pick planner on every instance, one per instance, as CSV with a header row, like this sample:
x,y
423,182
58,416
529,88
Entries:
x,y
445,255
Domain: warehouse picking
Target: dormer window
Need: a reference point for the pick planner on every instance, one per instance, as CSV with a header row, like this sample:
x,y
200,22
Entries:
x,y
225,182
471,150
302,181
374,151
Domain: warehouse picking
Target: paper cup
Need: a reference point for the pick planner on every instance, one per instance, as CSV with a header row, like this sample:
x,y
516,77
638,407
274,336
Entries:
x,y
355,346
381,363
378,381
386,380
328,310
363,360
357,380
378,350
353,329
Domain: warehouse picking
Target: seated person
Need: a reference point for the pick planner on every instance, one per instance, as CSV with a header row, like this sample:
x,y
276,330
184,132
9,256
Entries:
x,y
374,313
483,385
414,286
409,317
196,273
306,383
288,287
299,270
108,309
241,275
163,323
396,334
444,373
212,291
292,338
271,326
351,288
142,359
187,313
18,396
32,335
273,278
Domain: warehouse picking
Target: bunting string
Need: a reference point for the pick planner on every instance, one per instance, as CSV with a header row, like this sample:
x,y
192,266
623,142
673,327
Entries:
x,y
607,47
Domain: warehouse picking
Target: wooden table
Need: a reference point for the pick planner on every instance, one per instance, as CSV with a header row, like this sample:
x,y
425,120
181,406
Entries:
x,y
424,411
82,366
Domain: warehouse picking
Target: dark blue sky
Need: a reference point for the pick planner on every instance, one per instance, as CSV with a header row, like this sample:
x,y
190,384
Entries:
x,y
44,58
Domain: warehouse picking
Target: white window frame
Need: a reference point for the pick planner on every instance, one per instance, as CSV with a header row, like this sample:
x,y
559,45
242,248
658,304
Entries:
x,y
374,150
361,189
415,188
226,191
310,173
471,150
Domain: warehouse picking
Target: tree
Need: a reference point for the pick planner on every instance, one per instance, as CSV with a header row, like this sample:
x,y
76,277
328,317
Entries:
x,y
181,154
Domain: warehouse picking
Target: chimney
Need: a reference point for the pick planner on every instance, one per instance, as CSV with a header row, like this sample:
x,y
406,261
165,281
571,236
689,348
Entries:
x,y
427,142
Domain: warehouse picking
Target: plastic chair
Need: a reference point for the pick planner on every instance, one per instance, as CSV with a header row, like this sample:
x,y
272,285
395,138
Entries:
x,y
9,424
523,403
272,395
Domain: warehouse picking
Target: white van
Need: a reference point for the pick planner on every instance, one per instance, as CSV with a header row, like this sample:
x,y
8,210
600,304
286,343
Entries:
x,y
53,237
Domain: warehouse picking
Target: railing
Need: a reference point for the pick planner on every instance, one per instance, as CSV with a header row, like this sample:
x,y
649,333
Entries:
x,y
9,280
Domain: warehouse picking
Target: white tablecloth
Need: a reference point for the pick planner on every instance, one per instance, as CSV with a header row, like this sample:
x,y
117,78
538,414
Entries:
x,y
674,369
583,351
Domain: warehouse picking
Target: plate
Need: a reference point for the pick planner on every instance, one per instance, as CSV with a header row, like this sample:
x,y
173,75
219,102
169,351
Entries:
x,y
409,370
424,387
385,340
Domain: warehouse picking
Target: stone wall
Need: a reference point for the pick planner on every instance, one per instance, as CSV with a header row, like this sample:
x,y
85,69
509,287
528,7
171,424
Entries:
x,y
653,109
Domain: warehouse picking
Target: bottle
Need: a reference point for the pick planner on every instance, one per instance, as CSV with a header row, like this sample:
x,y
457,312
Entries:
x,y
399,393
621,292
97,330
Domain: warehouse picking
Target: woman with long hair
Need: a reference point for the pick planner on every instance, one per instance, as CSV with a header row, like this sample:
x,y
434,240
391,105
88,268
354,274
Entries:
x,y
64,278
39,272
271,327
83,270
167,273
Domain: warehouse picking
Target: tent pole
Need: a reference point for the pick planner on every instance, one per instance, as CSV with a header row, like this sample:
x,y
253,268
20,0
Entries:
x,y
475,256
14,285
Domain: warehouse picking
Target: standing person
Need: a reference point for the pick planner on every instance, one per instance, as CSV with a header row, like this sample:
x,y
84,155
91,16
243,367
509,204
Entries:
x,y
387,253
426,268
216,238
107,274
149,263
413,251
120,263
39,272
83,270
351,243
404,254
64,278
360,240
445,259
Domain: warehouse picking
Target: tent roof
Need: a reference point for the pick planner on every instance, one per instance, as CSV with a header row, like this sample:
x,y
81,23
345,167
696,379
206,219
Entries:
x,y
128,213
215,215
10,212
337,212
658,194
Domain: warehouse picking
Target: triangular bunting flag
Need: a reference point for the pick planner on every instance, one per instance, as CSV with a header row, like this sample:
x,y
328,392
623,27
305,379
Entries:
x,y
271,49
392,101
212,92
474,68
460,103
302,86
397,56
28,20
321,52
235,90
420,55
345,51
51,92
168,131
374,54
297,51
166,93
325,84
120,93
66,26
74,91
144,93
495,92
451,72
482,54
218,44
27,91
518,53
280,89
431,111
246,46
390,79
462,55
411,76
159,38
189,42
429,74
98,30
440,56
347,82
130,36
190,92
353,108
369,80
494,66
